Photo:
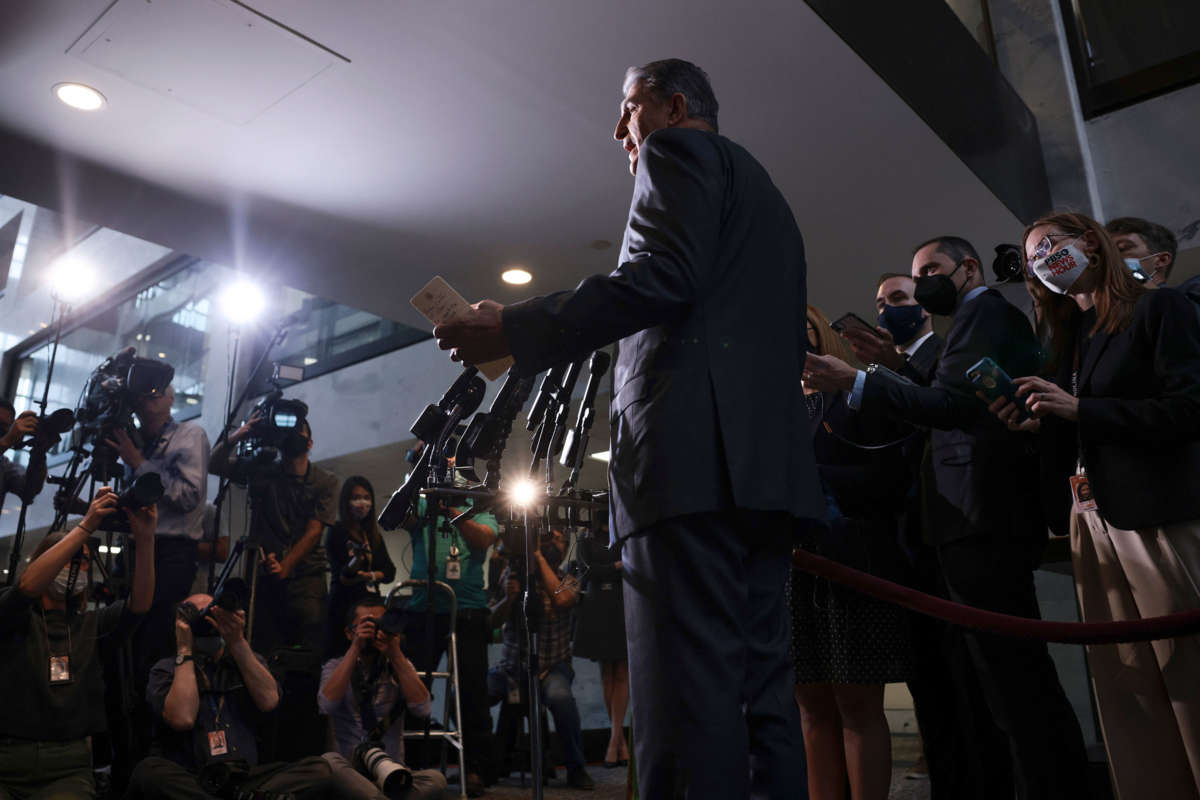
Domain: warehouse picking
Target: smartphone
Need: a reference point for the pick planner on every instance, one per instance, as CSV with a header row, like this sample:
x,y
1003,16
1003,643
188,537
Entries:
x,y
993,383
851,320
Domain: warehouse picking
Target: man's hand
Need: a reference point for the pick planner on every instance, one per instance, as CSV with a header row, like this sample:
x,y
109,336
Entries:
x,y
878,348
244,431
364,635
1003,408
24,425
125,448
143,522
183,637
477,337
232,627
828,373
104,503
1043,397
273,567
389,645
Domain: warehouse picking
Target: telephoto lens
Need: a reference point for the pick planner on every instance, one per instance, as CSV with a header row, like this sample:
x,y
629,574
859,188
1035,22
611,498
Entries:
x,y
393,778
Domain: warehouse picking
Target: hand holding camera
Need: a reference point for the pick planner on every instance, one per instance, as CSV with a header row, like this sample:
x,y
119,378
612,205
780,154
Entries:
x,y
183,636
230,625
126,449
24,425
241,433
102,505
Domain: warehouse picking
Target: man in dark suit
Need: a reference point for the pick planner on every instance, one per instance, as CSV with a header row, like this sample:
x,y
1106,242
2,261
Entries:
x,y
711,456
981,500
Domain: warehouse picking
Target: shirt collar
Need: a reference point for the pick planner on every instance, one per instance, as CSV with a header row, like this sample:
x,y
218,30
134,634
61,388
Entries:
x,y
915,344
971,295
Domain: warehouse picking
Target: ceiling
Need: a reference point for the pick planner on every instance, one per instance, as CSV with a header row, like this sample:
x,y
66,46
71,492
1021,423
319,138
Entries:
x,y
460,137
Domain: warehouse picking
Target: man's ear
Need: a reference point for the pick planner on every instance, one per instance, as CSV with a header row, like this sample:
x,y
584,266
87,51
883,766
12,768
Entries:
x,y
679,110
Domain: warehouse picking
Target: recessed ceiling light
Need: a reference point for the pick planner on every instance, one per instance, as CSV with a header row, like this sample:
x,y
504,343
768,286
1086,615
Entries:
x,y
162,355
516,276
309,361
76,95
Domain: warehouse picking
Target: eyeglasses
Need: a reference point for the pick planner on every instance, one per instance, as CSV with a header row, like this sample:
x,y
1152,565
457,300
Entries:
x,y
1044,246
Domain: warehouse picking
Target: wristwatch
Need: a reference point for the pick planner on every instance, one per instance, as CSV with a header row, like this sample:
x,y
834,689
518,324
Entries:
x,y
180,658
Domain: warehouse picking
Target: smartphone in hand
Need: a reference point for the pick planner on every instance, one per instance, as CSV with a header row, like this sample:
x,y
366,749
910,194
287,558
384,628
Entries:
x,y
851,320
992,382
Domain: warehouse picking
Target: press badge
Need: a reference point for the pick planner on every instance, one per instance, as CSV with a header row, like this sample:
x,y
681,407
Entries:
x,y
216,743
60,669
1081,493
453,570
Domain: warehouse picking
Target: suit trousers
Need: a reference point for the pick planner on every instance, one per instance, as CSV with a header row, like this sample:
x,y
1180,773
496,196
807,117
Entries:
x,y
1147,693
1020,684
711,678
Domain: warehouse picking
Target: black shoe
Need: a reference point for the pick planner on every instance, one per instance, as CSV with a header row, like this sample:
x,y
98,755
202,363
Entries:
x,y
611,764
579,779
474,785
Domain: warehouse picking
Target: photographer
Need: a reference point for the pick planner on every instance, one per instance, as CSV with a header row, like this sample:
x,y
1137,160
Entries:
x,y
358,558
1119,427
366,691
461,551
54,686
289,509
178,452
13,429
206,701
558,595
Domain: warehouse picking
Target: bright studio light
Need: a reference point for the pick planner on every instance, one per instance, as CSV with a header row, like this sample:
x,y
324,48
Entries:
x,y
516,276
72,279
523,492
242,302
78,96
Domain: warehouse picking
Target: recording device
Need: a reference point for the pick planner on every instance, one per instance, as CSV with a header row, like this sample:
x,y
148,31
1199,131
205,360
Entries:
x,y
50,429
563,400
109,397
392,777
993,383
146,490
359,554
231,595
488,432
1009,263
546,393
461,399
276,435
852,321
577,438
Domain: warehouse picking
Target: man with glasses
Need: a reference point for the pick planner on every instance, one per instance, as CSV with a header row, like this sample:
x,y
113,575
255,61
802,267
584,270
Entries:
x,y
983,515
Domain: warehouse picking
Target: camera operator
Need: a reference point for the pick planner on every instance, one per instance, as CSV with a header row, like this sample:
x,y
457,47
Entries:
x,y
49,665
13,429
178,452
366,691
983,515
289,510
206,701
558,597
461,550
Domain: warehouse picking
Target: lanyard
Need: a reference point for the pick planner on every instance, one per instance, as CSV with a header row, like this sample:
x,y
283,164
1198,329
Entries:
x,y
46,635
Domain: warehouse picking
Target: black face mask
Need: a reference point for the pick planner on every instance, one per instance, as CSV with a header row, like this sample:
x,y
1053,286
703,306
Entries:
x,y
937,294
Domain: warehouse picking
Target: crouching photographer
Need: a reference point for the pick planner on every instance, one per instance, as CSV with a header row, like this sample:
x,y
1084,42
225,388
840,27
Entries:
x,y
365,693
206,703
49,666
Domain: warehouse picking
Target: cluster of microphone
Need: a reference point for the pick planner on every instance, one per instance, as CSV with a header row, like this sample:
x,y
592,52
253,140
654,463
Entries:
x,y
487,434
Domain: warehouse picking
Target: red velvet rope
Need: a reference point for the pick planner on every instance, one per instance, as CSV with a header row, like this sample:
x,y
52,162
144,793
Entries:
x,y
1133,630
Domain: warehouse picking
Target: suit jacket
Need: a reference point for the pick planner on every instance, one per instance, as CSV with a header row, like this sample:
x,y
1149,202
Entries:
x,y
977,475
922,365
708,303
1191,288
1139,419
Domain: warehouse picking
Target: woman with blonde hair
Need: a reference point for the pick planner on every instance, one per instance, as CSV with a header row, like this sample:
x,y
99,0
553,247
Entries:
x,y
1120,428
845,645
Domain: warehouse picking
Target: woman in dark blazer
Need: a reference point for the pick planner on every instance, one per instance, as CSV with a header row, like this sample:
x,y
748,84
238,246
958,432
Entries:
x,y
355,537
1120,427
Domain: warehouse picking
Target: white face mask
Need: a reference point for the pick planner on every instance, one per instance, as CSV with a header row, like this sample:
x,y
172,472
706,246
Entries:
x,y
360,508
1059,270
59,587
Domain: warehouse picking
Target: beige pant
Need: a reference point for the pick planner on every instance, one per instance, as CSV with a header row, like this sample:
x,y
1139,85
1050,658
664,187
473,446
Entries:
x,y
1147,693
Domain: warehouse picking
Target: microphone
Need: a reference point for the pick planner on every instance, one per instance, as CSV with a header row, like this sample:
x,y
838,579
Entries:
x,y
433,418
577,437
545,394
459,387
563,399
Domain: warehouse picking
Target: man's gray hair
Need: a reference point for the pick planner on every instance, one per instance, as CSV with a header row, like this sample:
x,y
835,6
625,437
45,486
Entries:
x,y
674,75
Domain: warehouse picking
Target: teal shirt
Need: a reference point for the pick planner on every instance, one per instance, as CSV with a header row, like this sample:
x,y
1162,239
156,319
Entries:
x,y
469,588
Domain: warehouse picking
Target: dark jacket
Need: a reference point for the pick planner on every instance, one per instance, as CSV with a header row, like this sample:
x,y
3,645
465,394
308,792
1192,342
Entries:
x,y
708,302
921,366
1191,288
1139,419
977,478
